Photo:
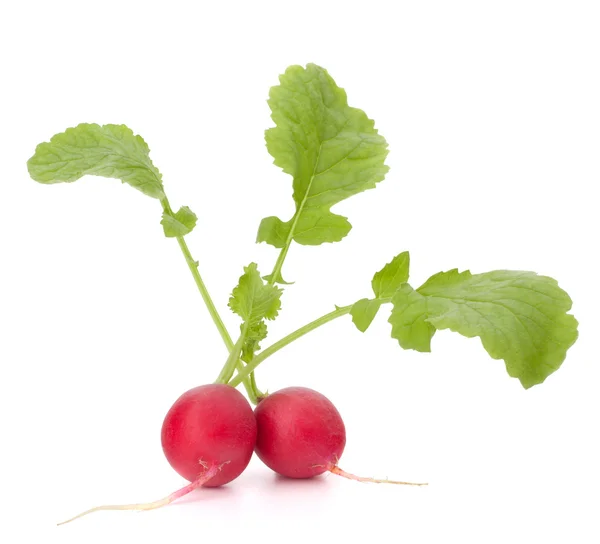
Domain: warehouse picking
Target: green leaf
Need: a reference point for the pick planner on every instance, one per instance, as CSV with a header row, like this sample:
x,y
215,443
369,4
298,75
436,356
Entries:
x,y
385,283
363,312
110,151
180,223
520,317
409,319
331,150
254,335
312,228
273,231
254,301
389,279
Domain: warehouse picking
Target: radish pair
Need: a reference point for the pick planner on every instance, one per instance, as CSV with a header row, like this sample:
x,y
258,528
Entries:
x,y
209,434
296,432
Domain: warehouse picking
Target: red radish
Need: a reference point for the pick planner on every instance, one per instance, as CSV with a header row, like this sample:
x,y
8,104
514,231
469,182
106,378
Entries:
x,y
209,426
208,437
301,434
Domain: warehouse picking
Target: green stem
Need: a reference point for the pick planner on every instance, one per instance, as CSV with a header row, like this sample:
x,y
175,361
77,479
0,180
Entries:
x,y
271,350
249,385
212,310
250,367
259,394
234,357
227,371
284,250
279,262
274,276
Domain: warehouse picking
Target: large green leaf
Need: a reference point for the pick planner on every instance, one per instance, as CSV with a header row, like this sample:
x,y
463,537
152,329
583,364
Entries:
x,y
110,151
331,150
520,317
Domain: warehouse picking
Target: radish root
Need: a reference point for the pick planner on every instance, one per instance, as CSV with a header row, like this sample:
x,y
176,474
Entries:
x,y
209,473
334,469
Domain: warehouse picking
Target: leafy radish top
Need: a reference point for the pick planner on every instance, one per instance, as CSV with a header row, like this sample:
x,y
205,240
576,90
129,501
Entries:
x,y
332,152
330,149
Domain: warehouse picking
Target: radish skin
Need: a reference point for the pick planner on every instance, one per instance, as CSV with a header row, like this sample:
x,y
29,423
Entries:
x,y
301,434
208,437
210,425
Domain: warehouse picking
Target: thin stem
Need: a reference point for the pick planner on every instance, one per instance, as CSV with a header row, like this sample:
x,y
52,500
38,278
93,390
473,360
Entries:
x,y
284,251
212,310
273,278
259,394
276,274
193,266
251,389
250,367
234,357
227,370
266,353
280,260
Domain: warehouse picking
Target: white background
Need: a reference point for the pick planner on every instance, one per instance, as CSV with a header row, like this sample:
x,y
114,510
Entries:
x,y
492,113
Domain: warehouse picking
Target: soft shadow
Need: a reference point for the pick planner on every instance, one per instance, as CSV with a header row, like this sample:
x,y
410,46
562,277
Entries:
x,y
317,482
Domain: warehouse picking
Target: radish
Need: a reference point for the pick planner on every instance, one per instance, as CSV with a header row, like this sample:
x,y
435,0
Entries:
x,y
301,434
208,437
210,425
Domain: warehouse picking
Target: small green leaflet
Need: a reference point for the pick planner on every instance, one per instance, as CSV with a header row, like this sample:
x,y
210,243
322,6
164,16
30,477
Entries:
x,y
331,150
389,279
520,317
363,312
254,336
273,231
110,151
385,283
180,223
278,279
254,301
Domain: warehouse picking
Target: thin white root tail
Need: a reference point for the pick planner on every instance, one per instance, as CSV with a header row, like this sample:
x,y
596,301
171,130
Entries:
x,y
205,477
334,469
